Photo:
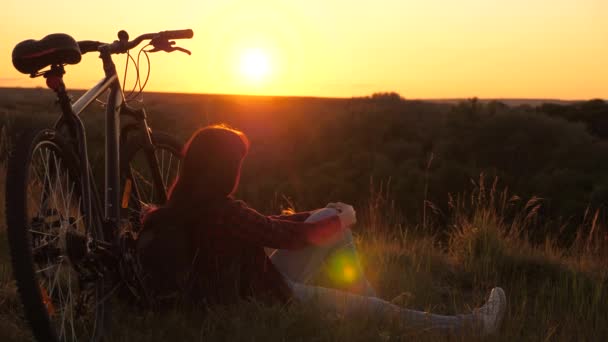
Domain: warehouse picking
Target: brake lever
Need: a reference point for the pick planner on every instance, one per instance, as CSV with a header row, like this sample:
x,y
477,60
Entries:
x,y
167,46
177,48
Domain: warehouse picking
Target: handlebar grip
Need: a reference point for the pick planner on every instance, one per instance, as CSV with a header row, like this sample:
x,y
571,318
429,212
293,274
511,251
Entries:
x,y
88,46
177,34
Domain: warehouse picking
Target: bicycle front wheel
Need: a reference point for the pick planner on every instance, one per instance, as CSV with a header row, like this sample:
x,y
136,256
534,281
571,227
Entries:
x,y
47,237
147,173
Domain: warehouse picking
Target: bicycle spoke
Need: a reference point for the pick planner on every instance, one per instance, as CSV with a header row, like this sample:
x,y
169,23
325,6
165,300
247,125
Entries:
x,y
47,180
43,233
45,244
62,330
168,170
62,196
46,268
55,280
39,179
71,306
162,165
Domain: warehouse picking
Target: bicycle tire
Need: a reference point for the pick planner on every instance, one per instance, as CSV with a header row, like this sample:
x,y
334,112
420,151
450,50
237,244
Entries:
x,y
24,241
133,150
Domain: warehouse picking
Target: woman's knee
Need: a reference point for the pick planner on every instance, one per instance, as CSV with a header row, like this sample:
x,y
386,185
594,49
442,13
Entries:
x,y
321,214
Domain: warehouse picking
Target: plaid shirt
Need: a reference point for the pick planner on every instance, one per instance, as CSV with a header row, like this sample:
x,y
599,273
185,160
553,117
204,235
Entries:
x,y
224,250
276,231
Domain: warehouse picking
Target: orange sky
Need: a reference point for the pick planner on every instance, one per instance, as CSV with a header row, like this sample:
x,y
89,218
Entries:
x,y
421,49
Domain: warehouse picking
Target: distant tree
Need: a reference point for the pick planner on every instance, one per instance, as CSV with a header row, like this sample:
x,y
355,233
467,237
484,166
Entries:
x,y
387,96
593,113
494,107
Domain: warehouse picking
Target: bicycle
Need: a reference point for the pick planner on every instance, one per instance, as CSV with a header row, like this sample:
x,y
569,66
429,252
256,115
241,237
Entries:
x,y
70,251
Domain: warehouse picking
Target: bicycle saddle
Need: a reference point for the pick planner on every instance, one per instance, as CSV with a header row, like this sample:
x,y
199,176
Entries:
x,y
30,55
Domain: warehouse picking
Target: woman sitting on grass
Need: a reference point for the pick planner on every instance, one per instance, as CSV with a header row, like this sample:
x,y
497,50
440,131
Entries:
x,y
205,247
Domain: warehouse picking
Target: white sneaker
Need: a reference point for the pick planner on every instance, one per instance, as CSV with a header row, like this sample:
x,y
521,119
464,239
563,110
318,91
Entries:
x,y
492,313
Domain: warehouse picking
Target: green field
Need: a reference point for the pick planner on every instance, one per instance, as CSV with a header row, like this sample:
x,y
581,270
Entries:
x,y
389,157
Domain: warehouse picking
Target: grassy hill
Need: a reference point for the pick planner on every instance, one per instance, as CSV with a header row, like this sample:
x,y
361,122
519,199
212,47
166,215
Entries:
x,y
442,257
553,293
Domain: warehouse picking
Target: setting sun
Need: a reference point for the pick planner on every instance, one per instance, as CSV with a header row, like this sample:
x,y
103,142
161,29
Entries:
x,y
254,65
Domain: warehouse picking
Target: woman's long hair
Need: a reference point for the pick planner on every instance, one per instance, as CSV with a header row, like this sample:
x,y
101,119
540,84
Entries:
x,y
209,175
211,167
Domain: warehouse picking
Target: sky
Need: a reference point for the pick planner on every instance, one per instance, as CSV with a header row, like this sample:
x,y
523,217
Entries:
x,y
336,48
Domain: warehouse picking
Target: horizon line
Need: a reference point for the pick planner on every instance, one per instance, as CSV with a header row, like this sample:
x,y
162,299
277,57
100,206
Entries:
x,y
446,99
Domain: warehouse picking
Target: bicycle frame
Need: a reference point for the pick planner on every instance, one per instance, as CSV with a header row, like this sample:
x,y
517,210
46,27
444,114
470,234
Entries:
x,y
115,107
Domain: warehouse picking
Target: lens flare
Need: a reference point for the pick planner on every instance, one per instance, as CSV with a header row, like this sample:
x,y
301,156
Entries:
x,y
349,273
341,268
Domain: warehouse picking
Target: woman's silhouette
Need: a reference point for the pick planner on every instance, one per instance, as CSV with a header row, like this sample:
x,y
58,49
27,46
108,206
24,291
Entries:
x,y
205,247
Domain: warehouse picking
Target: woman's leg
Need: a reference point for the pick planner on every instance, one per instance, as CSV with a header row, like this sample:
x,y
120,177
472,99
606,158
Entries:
x,y
302,265
484,320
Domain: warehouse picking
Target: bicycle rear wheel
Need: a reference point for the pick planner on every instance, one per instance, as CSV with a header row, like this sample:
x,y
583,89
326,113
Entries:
x,y
62,299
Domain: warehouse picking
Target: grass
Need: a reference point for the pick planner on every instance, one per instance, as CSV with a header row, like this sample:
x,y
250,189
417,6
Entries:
x,y
554,293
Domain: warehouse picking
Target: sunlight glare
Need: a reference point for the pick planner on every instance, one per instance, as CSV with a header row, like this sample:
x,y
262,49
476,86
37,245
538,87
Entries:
x,y
255,65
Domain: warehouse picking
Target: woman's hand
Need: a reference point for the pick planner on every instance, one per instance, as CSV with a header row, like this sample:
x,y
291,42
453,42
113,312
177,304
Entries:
x,y
346,213
331,205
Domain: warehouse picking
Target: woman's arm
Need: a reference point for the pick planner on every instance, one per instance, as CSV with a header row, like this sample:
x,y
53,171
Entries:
x,y
247,224
303,215
296,217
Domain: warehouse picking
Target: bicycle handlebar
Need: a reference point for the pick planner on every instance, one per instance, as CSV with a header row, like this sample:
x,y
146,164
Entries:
x,y
123,44
177,34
